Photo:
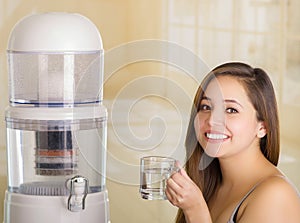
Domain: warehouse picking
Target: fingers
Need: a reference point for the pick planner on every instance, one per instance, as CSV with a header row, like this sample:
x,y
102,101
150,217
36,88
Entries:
x,y
176,187
182,191
175,183
173,192
179,185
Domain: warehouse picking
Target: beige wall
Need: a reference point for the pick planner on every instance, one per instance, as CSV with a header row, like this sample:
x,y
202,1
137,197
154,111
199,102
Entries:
x,y
265,33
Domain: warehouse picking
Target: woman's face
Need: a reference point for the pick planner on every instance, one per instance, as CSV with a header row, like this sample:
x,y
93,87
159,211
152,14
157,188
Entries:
x,y
226,123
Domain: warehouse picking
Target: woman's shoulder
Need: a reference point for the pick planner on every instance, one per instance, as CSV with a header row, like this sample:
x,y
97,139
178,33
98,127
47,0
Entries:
x,y
279,183
274,199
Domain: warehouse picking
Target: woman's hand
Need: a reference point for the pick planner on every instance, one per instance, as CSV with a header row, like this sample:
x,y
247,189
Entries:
x,y
182,192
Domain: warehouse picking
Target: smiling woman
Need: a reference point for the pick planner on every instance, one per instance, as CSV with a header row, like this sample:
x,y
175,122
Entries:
x,y
232,153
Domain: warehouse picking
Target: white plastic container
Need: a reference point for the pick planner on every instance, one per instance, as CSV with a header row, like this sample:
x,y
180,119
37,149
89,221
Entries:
x,y
56,123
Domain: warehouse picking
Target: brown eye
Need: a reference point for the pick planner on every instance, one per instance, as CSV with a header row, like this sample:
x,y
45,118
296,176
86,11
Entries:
x,y
205,107
231,110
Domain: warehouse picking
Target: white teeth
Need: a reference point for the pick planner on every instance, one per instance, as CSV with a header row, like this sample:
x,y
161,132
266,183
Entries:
x,y
216,136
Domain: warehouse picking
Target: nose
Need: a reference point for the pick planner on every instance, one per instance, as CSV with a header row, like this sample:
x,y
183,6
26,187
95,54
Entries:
x,y
216,118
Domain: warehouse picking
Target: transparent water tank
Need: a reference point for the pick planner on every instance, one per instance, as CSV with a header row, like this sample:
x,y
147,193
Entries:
x,y
45,153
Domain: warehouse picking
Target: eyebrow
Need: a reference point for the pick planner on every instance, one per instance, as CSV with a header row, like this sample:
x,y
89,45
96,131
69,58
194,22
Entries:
x,y
226,100
205,98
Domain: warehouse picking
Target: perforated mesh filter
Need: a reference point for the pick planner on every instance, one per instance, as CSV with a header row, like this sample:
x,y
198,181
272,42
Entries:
x,y
44,189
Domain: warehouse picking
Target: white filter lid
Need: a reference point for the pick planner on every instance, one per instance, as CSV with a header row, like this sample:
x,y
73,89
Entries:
x,y
55,32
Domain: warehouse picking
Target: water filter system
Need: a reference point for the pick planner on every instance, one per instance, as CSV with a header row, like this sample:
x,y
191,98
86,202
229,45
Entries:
x,y
56,123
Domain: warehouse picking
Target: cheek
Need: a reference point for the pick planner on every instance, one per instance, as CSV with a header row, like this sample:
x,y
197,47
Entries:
x,y
198,125
240,127
235,126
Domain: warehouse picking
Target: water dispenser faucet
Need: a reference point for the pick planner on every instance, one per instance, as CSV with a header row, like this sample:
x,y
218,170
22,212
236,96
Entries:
x,y
78,187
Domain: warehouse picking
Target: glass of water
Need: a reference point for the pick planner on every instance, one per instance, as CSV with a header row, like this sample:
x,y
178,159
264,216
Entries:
x,y
154,172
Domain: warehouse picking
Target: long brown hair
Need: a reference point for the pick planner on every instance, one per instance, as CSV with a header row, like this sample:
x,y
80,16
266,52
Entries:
x,y
204,170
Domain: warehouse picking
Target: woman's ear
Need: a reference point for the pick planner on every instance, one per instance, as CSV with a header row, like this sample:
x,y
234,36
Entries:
x,y
262,131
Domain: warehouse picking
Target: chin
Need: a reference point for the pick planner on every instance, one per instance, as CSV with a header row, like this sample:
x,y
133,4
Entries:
x,y
212,150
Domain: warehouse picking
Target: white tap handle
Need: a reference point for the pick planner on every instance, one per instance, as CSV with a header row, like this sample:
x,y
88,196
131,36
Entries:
x,y
78,187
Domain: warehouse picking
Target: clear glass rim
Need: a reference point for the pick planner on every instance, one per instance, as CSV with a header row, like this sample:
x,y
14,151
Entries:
x,y
158,159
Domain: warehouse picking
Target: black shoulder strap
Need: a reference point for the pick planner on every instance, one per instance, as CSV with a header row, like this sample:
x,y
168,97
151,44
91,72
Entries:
x,y
236,210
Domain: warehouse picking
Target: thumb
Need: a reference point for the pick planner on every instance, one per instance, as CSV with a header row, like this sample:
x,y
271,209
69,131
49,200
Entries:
x,y
184,173
181,170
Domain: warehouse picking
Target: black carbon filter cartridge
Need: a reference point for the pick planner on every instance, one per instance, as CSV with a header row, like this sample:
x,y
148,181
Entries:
x,y
56,153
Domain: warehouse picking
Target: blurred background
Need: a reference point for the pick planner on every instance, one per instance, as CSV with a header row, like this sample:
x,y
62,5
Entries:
x,y
149,98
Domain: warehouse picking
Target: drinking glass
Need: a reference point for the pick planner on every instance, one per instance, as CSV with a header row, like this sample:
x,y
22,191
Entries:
x,y
154,172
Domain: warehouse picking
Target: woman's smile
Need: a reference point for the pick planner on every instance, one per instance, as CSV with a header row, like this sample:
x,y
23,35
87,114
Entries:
x,y
216,137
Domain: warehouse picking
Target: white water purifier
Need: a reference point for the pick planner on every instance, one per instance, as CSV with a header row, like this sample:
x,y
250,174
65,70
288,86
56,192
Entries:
x,y
56,123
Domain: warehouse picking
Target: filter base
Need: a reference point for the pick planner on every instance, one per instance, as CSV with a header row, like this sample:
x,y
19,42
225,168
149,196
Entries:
x,y
20,208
